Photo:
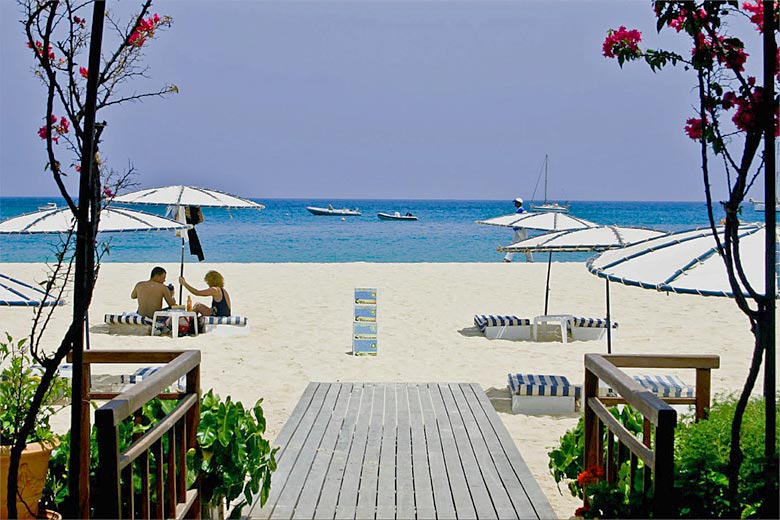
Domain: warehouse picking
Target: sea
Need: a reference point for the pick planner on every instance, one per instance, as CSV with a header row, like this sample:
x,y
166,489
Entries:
x,y
286,232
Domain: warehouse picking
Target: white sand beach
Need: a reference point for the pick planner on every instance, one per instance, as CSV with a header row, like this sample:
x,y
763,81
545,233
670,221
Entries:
x,y
300,318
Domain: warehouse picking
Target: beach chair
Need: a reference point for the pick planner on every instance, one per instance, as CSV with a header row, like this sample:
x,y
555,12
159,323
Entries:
x,y
536,394
590,329
662,385
503,327
224,325
128,324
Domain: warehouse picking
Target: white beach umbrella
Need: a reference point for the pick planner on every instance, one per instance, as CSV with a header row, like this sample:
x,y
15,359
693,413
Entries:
x,y
179,197
16,293
685,262
62,220
186,196
544,221
601,238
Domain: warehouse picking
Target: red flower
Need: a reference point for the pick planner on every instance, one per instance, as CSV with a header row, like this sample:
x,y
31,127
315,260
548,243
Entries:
x,y
108,193
84,72
78,168
581,511
622,42
694,128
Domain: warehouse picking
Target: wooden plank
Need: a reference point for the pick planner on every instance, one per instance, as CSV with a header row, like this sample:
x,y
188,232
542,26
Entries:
x,y
326,506
307,502
385,503
476,483
423,490
300,423
442,496
294,420
510,481
369,475
348,494
403,474
494,485
531,487
296,480
464,507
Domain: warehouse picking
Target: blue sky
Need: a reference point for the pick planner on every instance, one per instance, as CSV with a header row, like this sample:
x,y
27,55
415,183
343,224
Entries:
x,y
398,99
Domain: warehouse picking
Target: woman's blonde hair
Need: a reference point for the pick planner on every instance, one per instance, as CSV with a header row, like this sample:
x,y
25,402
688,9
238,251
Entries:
x,y
214,279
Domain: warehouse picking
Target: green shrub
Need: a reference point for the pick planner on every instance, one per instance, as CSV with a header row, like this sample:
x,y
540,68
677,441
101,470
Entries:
x,y
232,457
701,461
702,457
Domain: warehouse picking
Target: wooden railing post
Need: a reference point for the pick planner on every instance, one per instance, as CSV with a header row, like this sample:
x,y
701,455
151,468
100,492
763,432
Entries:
x,y
592,439
663,479
109,493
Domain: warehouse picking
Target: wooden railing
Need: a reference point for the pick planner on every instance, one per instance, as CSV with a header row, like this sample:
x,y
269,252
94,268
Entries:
x,y
656,447
164,446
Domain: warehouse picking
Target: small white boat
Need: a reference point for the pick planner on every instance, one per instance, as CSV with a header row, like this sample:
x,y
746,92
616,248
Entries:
x,y
551,206
760,205
396,216
548,206
343,212
47,206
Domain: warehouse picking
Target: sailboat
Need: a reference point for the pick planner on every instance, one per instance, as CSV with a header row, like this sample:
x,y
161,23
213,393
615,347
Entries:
x,y
549,206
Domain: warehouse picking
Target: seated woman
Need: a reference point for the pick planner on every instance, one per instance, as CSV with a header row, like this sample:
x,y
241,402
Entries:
x,y
220,300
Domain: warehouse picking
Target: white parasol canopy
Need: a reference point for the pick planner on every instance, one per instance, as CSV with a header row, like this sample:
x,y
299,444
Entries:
x,y
112,220
16,293
544,221
686,262
186,196
599,238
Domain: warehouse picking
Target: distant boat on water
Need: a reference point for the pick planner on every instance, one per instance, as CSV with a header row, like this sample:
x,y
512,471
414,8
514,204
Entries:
x,y
396,216
549,206
760,205
343,212
47,206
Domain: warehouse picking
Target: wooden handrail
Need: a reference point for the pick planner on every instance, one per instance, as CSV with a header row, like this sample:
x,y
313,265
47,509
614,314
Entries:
x,y
656,449
116,497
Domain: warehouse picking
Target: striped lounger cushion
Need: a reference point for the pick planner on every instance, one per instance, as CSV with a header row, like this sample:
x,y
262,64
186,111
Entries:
x,y
482,321
224,320
598,323
145,372
666,385
126,319
542,385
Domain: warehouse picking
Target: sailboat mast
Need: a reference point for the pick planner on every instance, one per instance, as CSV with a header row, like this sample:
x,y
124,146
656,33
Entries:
x,y
545,178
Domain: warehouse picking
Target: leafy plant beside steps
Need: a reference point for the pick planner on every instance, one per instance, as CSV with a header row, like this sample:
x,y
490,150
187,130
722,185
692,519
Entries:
x,y
701,459
233,460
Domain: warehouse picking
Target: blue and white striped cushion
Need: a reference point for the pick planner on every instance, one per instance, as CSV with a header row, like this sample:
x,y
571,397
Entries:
x,y
666,385
481,321
537,384
595,323
127,319
224,320
145,372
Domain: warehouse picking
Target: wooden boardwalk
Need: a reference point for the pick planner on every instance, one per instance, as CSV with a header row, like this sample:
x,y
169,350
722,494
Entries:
x,y
375,450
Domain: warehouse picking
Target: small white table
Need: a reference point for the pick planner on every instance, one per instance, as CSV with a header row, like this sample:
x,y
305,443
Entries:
x,y
158,321
560,319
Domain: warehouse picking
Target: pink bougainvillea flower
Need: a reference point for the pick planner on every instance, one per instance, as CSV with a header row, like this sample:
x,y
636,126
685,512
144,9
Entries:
x,y
78,168
42,132
581,511
64,125
84,72
107,192
622,42
694,127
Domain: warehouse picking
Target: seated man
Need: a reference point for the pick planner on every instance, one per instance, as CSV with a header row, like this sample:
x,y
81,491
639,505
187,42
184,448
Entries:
x,y
150,293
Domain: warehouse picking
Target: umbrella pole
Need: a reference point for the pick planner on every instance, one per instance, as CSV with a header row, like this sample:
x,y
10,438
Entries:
x,y
181,271
547,289
609,324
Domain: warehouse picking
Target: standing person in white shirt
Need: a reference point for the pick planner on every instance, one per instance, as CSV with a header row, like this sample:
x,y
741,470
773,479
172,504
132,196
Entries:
x,y
520,233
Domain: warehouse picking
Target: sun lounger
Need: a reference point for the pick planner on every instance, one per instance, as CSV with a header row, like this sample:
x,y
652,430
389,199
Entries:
x,y
589,329
536,394
224,325
662,385
133,324
503,327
